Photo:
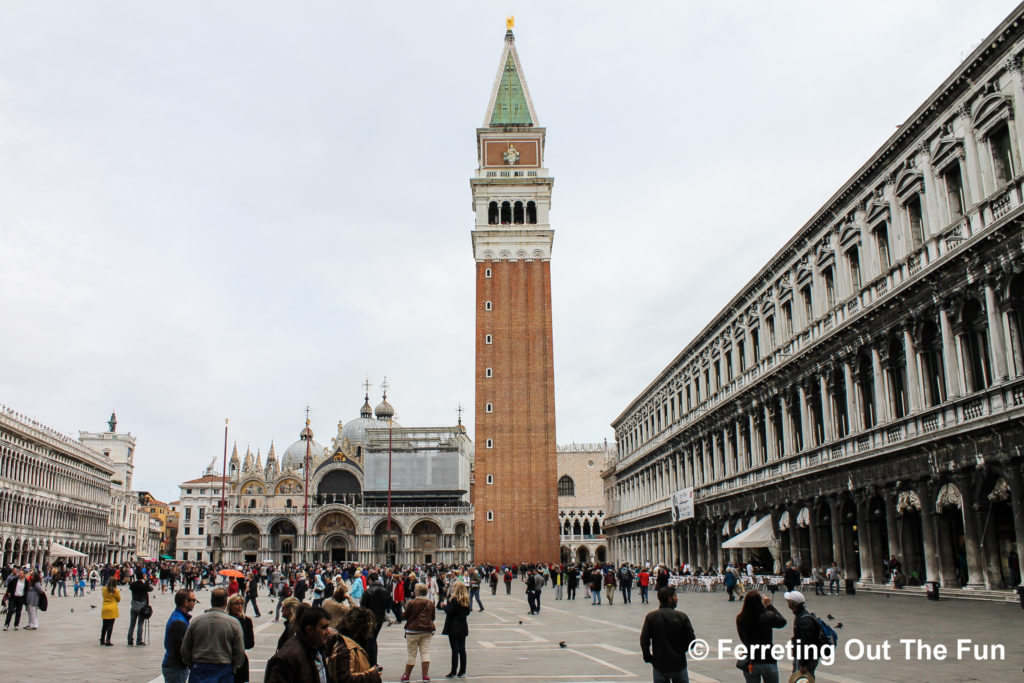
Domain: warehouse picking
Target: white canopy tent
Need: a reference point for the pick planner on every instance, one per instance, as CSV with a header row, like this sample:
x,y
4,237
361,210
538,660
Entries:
x,y
58,550
757,535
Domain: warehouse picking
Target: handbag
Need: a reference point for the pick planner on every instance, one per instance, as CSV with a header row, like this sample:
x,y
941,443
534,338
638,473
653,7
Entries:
x,y
744,665
146,612
44,602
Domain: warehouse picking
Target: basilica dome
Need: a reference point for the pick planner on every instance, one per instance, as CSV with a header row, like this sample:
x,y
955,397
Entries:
x,y
295,456
355,430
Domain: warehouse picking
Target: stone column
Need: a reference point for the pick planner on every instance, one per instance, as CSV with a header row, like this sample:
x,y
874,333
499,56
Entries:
x,y
913,382
882,412
950,363
1013,479
805,418
867,559
787,428
828,429
972,535
812,536
892,524
974,192
852,412
753,449
995,334
769,429
837,533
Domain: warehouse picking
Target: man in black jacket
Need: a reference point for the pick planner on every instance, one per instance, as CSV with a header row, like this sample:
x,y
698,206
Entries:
x,y
300,659
376,598
806,634
670,633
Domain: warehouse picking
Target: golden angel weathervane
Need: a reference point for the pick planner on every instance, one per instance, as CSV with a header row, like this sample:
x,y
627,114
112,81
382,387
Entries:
x,y
510,22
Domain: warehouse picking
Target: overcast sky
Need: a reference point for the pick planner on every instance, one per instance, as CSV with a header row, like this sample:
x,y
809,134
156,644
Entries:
x,y
230,209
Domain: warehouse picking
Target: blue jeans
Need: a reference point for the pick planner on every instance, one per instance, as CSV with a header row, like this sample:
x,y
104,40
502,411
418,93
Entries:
x,y
768,672
474,594
680,676
175,674
643,593
211,673
136,619
596,595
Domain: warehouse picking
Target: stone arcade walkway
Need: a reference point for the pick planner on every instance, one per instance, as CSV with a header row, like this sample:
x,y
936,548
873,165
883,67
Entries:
x,y
602,643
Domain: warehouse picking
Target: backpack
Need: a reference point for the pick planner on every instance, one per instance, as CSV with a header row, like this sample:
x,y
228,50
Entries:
x,y
826,634
44,602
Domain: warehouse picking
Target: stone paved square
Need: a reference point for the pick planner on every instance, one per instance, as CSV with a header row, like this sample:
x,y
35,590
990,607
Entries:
x,y
507,644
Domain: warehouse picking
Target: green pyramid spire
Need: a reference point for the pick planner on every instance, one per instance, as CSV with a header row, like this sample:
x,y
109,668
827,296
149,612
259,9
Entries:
x,y
510,108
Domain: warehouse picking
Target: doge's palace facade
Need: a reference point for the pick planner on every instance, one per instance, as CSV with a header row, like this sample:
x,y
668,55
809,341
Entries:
x,y
864,391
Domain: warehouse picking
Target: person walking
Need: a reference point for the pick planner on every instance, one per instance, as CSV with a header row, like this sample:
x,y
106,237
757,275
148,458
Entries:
x,y
833,579
173,668
818,579
474,589
665,637
35,598
644,581
595,586
791,577
16,587
376,599
730,582
626,583
419,630
609,584
456,627
236,608
110,611
213,647
754,624
805,634
572,579
140,590
508,581
251,593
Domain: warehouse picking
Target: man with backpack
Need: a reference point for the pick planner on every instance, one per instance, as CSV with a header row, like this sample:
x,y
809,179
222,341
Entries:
x,y
626,583
810,634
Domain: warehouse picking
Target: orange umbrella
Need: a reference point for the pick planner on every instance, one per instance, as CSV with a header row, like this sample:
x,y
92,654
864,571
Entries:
x,y
231,572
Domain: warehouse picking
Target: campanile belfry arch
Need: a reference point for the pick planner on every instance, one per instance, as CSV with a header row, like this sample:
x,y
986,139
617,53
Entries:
x,y
514,493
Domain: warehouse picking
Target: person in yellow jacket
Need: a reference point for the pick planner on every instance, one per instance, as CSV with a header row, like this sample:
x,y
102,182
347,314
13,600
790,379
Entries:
x,y
111,596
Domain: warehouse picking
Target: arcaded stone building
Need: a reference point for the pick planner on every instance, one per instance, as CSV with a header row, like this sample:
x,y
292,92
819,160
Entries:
x,y
515,475
581,507
53,490
864,391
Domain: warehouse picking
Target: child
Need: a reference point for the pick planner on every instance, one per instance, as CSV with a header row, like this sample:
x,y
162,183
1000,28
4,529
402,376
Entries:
x,y
81,586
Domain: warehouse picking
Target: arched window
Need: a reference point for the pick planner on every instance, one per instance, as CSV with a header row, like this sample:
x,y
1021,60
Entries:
x,y
531,213
566,486
586,527
577,530
252,503
492,213
506,213
566,529
288,503
597,527
517,214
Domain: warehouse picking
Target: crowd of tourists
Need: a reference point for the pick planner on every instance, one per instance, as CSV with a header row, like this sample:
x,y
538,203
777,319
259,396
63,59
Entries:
x,y
333,613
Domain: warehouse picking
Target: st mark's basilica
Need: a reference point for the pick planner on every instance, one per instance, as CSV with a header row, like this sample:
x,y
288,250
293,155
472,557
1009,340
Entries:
x,y
265,514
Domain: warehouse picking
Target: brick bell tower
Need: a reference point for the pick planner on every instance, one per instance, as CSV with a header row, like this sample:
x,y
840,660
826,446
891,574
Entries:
x,y
514,490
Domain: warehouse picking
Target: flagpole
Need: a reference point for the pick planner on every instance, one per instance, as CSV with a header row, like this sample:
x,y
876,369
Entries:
x,y
223,490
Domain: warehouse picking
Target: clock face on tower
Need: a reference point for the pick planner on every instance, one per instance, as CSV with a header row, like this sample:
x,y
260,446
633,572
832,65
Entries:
x,y
511,155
